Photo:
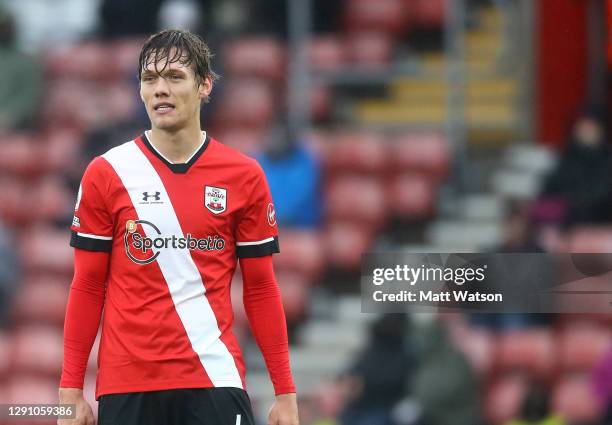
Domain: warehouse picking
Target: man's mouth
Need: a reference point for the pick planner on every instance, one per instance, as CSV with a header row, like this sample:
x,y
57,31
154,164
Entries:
x,y
163,107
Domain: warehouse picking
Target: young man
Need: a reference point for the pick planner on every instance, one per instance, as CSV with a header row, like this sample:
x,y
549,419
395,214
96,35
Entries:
x,y
160,222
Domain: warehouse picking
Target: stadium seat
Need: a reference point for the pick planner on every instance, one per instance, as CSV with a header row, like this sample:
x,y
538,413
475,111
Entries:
x,y
344,243
245,103
120,101
370,49
74,104
61,149
574,399
87,60
423,152
27,388
14,207
532,351
320,103
357,199
410,196
300,252
327,53
41,302
590,239
428,13
387,16
294,293
581,345
356,152
125,57
503,399
44,249
248,141
5,352
20,155
37,349
51,200
263,57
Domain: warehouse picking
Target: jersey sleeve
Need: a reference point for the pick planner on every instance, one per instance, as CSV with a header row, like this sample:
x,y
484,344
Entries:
x,y
92,226
257,231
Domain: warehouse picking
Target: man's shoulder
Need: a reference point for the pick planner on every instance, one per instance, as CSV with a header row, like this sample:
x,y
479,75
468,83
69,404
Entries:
x,y
101,164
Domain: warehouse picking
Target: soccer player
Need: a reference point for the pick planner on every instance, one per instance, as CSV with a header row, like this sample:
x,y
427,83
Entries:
x,y
160,223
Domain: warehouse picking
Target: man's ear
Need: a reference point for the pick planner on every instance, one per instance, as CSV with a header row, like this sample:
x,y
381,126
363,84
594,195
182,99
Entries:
x,y
205,88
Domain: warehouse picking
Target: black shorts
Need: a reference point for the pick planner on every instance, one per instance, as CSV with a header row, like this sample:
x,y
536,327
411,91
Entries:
x,y
185,406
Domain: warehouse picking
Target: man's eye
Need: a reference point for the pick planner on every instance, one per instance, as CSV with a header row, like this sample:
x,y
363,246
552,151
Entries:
x,y
148,78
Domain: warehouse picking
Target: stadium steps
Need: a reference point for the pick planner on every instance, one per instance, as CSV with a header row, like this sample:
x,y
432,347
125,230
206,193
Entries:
x,y
464,234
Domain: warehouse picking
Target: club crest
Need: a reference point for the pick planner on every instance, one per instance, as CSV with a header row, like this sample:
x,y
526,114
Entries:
x,y
215,199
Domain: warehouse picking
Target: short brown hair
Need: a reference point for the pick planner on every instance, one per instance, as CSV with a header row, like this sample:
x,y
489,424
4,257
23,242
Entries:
x,y
178,46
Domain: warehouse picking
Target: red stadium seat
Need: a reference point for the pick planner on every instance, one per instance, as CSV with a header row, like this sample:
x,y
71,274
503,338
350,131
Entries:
x,y
411,196
125,56
327,53
357,152
320,103
582,345
294,292
37,349
532,351
503,399
428,13
300,252
88,61
344,243
50,199
357,199
75,104
245,103
575,400
248,141
370,49
41,302
387,16
45,249
263,57
423,152
14,207
27,388
61,149
6,343
120,101
590,239
20,155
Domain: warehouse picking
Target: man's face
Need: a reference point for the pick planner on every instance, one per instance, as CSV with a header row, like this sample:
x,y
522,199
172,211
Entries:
x,y
172,96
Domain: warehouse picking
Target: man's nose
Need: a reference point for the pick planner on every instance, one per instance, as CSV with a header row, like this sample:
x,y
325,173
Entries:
x,y
161,87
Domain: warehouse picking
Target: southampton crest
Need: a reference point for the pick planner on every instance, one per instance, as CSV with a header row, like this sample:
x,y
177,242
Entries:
x,y
215,199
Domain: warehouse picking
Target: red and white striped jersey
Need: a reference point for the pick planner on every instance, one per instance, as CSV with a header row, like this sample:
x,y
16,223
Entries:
x,y
174,232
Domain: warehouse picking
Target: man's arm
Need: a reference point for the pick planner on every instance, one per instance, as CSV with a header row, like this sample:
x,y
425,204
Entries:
x,y
83,314
264,310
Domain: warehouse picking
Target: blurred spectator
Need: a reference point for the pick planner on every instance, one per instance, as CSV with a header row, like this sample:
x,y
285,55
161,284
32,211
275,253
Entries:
x,y
519,236
377,380
581,182
445,386
21,76
289,166
535,409
9,274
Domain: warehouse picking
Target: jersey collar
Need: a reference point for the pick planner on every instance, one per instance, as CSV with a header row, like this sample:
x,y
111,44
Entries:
x,y
176,168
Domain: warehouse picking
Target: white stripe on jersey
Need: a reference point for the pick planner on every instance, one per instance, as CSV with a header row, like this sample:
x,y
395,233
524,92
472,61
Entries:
x,y
180,272
88,235
255,242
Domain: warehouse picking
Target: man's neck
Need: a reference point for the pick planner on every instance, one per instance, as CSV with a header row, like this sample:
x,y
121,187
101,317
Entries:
x,y
178,147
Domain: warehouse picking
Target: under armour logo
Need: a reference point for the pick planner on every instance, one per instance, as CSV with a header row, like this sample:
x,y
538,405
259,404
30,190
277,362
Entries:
x,y
146,196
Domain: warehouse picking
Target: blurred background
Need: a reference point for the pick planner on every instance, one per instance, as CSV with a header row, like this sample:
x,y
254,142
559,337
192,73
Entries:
x,y
417,125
